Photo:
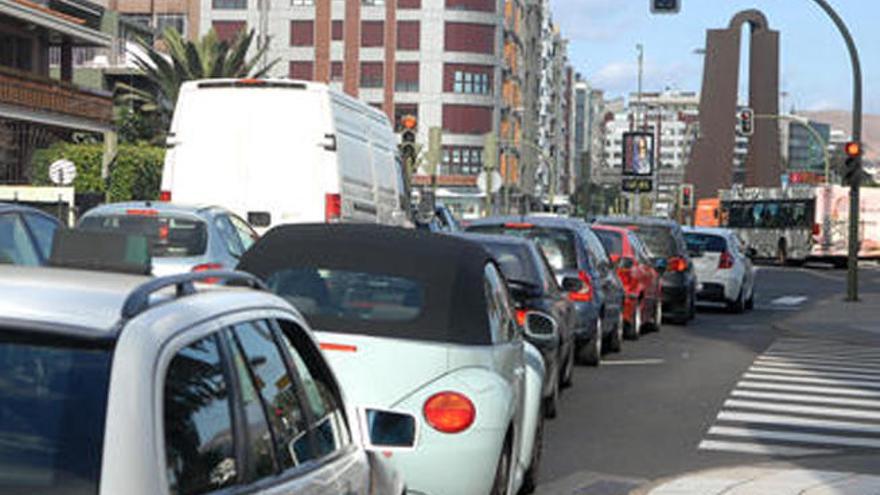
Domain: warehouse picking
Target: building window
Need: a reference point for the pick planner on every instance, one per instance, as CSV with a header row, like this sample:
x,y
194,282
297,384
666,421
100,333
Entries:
x,y
408,35
401,111
301,70
336,71
337,30
461,160
173,21
372,75
372,3
477,5
302,33
372,33
229,4
228,30
409,4
302,3
145,20
17,52
470,38
468,79
407,77
467,119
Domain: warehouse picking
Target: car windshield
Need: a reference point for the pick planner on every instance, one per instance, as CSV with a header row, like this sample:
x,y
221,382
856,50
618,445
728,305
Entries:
x,y
705,242
170,236
612,241
659,240
514,261
557,244
51,416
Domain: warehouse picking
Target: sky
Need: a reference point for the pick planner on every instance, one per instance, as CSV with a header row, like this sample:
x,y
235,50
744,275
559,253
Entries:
x,y
815,71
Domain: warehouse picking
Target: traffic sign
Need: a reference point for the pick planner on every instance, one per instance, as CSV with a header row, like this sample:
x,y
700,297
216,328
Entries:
x,y
641,185
62,172
484,180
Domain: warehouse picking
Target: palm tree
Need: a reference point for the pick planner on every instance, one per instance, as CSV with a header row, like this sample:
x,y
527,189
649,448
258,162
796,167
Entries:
x,y
183,60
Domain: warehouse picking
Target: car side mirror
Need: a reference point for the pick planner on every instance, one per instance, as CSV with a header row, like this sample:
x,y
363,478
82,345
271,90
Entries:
x,y
386,430
572,284
541,327
661,264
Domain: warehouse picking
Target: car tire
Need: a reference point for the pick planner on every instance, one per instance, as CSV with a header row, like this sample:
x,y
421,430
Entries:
x,y
615,340
591,352
692,312
530,478
551,404
657,325
739,305
750,302
634,330
501,485
568,376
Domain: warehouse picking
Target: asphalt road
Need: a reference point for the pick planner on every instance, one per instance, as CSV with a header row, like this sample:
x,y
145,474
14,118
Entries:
x,y
646,413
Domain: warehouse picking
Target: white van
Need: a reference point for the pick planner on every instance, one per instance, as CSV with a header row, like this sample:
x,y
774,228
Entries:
x,y
281,151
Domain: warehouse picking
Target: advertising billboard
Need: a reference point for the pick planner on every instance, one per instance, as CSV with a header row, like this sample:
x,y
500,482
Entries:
x,y
638,154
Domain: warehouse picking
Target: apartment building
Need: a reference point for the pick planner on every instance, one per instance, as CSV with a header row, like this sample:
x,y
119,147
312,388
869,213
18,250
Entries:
x,y
159,15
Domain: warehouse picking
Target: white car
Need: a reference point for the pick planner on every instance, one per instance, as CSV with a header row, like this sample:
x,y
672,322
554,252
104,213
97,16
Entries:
x,y
725,272
117,384
284,151
421,323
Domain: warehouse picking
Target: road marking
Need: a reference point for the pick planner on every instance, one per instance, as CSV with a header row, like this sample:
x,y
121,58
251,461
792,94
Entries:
x,y
811,351
808,388
859,363
810,399
793,408
763,449
789,301
630,362
801,372
806,379
774,363
822,357
788,421
813,438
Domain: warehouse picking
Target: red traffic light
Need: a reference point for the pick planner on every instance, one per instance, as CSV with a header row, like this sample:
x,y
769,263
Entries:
x,y
853,149
408,122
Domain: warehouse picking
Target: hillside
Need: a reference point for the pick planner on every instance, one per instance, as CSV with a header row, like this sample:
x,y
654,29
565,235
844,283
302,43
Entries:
x,y
842,120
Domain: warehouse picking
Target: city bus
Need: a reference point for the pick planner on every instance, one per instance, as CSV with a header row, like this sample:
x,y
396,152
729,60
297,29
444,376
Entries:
x,y
796,224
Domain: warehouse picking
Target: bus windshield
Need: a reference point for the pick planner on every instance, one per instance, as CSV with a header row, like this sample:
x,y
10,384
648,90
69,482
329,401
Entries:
x,y
769,214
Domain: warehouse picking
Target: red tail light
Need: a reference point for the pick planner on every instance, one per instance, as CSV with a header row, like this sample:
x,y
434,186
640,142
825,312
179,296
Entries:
x,y
329,346
204,267
726,261
518,225
332,207
521,317
449,412
165,196
585,294
614,257
817,229
142,212
677,264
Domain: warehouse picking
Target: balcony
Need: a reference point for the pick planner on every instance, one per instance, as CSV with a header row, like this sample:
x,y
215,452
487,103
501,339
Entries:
x,y
53,102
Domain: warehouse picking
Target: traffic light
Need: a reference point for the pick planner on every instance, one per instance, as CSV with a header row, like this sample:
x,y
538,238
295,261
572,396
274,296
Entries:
x,y
665,6
745,122
407,146
687,196
852,167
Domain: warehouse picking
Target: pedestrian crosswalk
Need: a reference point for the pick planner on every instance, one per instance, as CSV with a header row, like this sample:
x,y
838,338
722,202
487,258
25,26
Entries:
x,y
802,397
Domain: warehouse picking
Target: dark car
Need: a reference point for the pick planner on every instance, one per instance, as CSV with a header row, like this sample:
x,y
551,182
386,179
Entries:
x,y
665,242
533,287
572,250
25,235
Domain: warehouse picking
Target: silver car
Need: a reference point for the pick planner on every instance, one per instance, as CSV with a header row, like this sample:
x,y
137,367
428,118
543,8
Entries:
x,y
117,384
182,238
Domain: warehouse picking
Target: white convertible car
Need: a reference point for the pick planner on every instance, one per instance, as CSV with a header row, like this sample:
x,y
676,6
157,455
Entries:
x,y
421,323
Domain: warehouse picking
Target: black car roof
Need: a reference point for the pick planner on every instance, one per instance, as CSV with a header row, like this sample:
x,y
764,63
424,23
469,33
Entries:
x,y
449,268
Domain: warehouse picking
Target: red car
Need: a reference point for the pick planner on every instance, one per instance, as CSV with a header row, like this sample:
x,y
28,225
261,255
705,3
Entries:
x,y
643,305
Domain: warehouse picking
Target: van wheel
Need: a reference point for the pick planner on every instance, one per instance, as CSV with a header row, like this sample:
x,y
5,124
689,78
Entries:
x,y
530,479
501,485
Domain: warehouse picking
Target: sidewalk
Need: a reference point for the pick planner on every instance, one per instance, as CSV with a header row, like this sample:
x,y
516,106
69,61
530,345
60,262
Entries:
x,y
836,319
761,480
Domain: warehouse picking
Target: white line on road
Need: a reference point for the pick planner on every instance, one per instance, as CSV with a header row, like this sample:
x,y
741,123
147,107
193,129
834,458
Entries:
x,y
814,438
789,300
808,388
630,362
783,420
796,409
818,374
868,365
776,363
827,351
811,399
805,379
756,448
820,356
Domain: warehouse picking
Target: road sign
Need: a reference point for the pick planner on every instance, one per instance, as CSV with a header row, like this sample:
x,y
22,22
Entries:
x,y
641,185
62,172
638,154
485,181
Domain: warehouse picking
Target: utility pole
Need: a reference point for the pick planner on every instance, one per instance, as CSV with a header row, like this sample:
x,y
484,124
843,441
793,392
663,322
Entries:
x,y
640,124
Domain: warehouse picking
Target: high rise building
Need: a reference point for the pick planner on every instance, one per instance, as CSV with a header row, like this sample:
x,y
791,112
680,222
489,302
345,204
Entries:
x,y
555,114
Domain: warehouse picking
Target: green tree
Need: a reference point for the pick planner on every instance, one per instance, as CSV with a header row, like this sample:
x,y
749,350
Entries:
x,y
182,60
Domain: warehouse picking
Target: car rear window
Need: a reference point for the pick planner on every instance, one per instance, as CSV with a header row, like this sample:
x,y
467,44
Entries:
x,y
515,261
706,242
344,296
170,236
612,241
558,245
659,240
52,414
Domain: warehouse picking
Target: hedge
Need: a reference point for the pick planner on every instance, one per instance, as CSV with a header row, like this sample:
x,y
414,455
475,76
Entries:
x,y
134,175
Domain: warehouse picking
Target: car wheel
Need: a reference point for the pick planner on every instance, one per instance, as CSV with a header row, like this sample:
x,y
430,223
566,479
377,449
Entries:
x,y
530,479
568,376
501,485
634,330
591,352
615,342
658,317
750,302
693,307
739,305
551,404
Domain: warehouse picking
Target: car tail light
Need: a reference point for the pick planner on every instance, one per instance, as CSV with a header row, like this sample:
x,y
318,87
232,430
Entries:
x,y
817,229
165,196
142,212
251,82
518,225
204,267
677,264
332,207
521,317
330,346
726,261
586,293
449,412
614,257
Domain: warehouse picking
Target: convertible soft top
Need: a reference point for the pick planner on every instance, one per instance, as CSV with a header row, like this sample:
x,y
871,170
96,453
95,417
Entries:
x,y
449,270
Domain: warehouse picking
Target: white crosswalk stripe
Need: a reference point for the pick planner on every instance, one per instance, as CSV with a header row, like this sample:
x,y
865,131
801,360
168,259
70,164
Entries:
x,y
802,397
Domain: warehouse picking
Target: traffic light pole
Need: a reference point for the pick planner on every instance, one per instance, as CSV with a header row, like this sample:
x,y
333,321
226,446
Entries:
x,y
852,279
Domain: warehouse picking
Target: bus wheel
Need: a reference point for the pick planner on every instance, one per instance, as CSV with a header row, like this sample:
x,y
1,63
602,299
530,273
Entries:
x,y
782,253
